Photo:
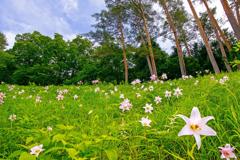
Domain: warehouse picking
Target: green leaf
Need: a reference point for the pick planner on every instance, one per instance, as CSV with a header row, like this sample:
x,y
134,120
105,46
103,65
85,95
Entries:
x,y
112,154
28,140
72,152
59,138
27,156
63,127
14,154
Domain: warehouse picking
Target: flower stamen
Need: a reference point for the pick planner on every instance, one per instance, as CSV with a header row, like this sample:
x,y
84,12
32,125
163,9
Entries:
x,y
195,127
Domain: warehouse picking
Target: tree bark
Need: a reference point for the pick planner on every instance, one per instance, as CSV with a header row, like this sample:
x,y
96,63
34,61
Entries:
x,y
216,25
122,40
228,11
205,38
149,64
147,56
145,26
187,48
174,30
237,5
224,55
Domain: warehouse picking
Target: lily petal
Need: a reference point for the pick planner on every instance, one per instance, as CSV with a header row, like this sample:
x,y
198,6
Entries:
x,y
186,119
185,131
207,131
195,114
198,140
204,120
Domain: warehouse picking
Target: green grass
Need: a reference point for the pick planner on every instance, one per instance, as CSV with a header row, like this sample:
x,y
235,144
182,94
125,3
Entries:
x,y
93,126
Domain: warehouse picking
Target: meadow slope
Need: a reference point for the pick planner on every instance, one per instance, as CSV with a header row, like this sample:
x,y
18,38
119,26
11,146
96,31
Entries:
x,y
92,126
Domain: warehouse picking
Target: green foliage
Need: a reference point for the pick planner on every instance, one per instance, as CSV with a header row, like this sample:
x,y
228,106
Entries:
x,y
42,60
3,42
7,66
236,53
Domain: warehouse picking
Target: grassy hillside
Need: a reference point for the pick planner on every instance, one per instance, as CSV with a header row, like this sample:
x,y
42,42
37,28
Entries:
x,y
92,126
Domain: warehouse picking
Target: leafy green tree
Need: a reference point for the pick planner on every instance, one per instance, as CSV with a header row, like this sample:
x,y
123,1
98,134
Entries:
x,y
173,28
7,66
112,21
143,10
3,42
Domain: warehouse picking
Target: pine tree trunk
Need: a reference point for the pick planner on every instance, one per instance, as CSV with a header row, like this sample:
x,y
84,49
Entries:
x,y
224,55
149,64
154,68
237,5
205,38
179,48
120,28
187,48
231,18
147,56
216,25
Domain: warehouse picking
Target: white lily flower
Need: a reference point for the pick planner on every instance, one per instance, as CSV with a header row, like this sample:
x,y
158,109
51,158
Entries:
x,y
75,97
153,77
225,78
121,96
196,126
177,92
164,76
60,97
148,108
136,81
158,100
125,105
12,117
151,88
49,128
138,95
36,150
227,152
222,81
38,99
145,122
168,94
97,89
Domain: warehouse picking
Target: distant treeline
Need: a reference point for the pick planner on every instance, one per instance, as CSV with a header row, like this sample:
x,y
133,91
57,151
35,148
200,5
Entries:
x,y
42,60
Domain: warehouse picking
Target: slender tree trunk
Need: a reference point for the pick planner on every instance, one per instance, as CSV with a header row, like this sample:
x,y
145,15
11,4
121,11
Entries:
x,y
216,25
147,56
146,30
120,28
205,38
237,5
140,9
231,18
224,55
174,30
187,48
149,64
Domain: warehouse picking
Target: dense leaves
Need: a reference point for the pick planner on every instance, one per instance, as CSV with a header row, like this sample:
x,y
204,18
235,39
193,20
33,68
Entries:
x,y
42,60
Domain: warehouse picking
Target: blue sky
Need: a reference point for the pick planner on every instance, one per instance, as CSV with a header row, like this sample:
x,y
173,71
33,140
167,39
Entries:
x,y
67,17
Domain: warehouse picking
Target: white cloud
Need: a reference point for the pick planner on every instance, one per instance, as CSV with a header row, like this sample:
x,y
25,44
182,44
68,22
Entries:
x,y
97,3
10,38
34,15
57,16
69,6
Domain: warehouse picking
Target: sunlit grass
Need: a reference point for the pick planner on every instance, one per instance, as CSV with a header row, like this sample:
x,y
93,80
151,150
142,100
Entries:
x,y
93,126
